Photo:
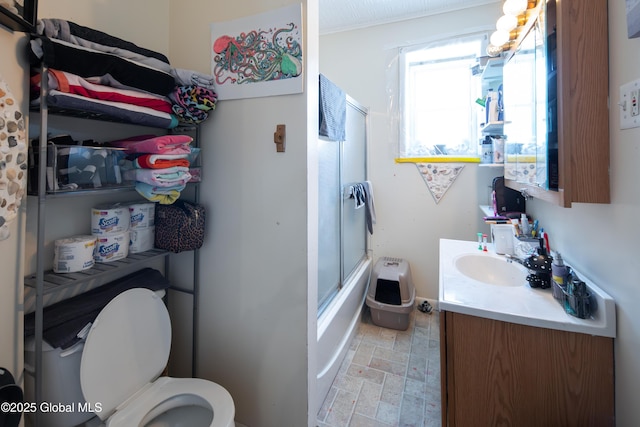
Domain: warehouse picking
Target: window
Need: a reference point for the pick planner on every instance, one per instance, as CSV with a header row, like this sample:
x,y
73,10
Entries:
x,y
438,89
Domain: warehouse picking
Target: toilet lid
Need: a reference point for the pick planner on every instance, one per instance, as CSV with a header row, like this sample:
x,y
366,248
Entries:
x,y
127,347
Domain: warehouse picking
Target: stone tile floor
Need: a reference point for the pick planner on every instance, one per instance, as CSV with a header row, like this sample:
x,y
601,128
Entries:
x,y
388,377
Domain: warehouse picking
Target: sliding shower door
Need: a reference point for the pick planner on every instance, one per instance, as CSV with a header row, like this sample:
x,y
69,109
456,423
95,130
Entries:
x,y
342,229
329,276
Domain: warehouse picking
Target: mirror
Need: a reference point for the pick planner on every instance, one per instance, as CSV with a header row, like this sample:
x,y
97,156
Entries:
x,y
530,108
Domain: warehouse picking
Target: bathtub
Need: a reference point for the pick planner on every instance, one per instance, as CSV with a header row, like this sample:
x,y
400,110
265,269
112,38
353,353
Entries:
x,y
337,325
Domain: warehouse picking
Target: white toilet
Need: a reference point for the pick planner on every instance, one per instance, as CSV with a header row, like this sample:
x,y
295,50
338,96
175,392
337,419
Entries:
x,y
125,352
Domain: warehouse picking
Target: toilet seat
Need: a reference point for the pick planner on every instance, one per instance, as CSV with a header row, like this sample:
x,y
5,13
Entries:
x,y
125,352
168,393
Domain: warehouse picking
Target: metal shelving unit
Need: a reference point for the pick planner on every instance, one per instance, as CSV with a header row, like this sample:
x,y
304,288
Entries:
x,y
45,282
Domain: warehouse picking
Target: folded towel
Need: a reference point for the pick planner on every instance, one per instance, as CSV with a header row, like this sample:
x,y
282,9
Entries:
x,y
162,195
333,110
186,77
192,103
152,144
161,161
168,177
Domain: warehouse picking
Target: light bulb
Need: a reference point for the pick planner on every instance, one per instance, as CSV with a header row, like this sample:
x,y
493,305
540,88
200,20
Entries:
x,y
498,38
494,51
507,23
514,7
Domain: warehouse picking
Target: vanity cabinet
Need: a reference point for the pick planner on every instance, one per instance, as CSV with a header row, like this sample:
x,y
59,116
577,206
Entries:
x,y
499,373
568,130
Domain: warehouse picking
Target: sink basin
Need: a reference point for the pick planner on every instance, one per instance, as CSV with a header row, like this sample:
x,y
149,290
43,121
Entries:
x,y
491,270
468,276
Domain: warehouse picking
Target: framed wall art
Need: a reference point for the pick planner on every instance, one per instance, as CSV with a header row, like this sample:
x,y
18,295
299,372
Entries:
x,y
19,15
260,55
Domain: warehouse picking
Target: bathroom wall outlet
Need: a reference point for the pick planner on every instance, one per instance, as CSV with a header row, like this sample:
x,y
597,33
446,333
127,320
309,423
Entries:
x,y
630,105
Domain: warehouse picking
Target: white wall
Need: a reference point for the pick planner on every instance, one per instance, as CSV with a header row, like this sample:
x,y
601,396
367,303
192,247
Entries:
x,y
144,23
599,240
256,282
409,222
602,240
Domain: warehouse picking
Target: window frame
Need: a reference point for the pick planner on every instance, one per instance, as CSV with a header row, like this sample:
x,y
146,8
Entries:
x,y
404,70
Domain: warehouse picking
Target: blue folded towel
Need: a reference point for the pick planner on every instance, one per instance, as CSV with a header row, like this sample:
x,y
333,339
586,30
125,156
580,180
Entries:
x,y
333,110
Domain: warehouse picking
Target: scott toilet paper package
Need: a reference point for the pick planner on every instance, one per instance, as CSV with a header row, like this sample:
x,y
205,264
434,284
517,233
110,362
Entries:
x,y
141,214
141,239
112,247
109,218
74,254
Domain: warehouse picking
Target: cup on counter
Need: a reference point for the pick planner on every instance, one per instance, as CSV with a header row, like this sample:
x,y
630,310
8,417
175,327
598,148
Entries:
x,y
502,236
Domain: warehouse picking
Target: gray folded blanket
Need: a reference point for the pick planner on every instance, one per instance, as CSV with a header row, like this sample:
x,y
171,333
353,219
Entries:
x,y
62,321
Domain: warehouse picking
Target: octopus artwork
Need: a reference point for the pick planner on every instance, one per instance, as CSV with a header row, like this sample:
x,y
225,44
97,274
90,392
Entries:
x,y
13,159
258,56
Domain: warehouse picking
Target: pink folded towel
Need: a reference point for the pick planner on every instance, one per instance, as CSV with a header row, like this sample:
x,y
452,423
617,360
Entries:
x,y
152,144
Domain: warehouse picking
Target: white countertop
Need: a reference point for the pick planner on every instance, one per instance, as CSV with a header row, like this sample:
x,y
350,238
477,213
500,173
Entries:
x,y
516,304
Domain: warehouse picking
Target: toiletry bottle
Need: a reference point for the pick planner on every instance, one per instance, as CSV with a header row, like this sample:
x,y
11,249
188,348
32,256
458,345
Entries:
x,y
524,224
559,271
488,106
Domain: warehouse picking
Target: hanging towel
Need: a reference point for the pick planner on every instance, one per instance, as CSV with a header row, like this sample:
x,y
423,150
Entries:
x,y
362,193
358,194
370,212
333,110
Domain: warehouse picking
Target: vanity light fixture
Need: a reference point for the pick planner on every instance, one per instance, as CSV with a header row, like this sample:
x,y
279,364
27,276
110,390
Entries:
x,y
499,37
514,7
507,25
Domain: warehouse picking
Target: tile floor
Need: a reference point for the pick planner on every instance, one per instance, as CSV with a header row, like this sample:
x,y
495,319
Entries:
x,y
388,377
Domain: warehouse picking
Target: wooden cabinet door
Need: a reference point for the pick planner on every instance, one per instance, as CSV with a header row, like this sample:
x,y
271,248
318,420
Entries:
x,y
500,373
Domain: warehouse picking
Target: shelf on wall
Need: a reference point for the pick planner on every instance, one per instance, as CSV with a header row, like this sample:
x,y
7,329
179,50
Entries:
x,y
54,282
493,128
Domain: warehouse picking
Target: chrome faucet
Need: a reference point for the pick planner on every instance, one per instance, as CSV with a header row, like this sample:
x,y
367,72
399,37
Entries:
x,y
511,258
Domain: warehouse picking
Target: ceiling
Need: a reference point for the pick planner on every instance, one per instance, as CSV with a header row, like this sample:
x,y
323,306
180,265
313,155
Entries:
x,y
342,15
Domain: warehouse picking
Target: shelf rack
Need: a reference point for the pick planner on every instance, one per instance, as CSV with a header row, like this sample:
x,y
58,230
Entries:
x,y
47,282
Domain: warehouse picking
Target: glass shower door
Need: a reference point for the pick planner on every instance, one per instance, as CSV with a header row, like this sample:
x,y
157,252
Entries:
x,y
329,220
342,239
354,237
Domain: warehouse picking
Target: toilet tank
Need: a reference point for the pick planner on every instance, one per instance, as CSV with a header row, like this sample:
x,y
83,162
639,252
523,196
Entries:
x,y
60,384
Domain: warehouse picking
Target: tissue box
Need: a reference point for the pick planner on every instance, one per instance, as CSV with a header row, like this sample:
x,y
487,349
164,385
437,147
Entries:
x,y
77,167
